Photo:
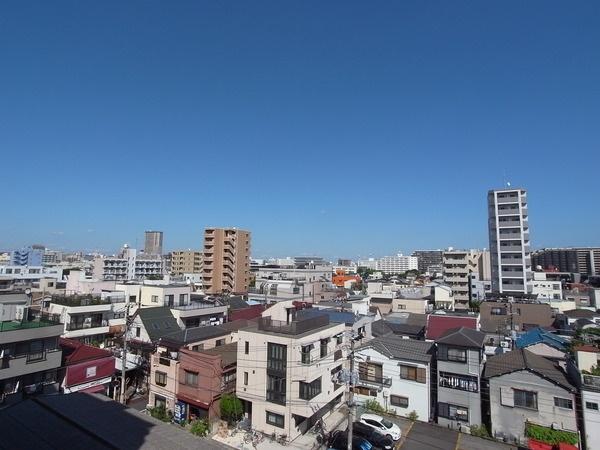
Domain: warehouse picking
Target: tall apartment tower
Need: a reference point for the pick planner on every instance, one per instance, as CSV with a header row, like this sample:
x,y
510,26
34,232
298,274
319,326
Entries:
x,y
226,261
509,241
154,243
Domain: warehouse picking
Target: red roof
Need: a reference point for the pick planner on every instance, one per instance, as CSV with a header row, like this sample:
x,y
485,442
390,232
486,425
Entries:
x,y
249,313
437,325
75,352
587,348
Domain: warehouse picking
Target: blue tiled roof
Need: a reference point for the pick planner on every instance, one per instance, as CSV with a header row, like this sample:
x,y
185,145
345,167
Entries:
x,y
538,335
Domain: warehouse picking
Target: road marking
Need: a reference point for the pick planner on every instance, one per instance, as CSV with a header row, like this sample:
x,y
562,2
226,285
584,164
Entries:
x,y
404,436
458,441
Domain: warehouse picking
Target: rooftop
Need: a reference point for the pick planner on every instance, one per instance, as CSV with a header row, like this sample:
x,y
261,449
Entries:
x,y
295,327
398,348
539,335
462,337
437,325
158,321
197,334
581,314
35,320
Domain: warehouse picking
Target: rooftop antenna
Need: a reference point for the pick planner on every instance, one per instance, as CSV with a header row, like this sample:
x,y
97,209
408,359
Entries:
x,y
506,182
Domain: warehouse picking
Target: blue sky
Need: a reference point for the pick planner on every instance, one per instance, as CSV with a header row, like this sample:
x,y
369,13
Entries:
x,y
334,128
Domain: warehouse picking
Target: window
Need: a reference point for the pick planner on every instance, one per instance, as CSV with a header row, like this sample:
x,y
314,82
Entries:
x,y
160,378
305,353
132,299
219,342
370,372
276,387
182,299
324,344
459,382
453,412
339,339
90,372
245,378
36,351
498,311
401,307
565,403
457,355
138,332
525,399
591,405
396,400
275,419
160,401
276,357
154,299
198,347
310,390
170,300
191,378
418,374
246,347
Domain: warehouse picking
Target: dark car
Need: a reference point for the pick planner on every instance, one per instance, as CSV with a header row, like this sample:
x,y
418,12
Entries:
x,y
339,441
378,440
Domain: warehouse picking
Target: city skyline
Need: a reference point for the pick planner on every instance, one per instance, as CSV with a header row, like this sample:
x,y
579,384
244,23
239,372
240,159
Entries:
x,y
330,129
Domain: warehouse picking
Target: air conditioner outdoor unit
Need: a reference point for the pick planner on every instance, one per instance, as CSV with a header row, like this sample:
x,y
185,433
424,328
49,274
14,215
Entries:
x,y
505,344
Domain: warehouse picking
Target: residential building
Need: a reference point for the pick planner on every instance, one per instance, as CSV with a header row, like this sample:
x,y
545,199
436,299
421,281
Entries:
x,y
226,261
544,288
312,285
151,324
403,324
27,256
370,263
509,241
544,343
309,262
286,372
525,388
478,289
153,243
397,264
503,318
582,260
397,373
428,261
439,323
51,257
460,361
127,265
457,267
29,352
86,368
185,262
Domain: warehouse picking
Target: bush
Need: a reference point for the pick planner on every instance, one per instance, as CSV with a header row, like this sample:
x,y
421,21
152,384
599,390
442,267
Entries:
x,y
231,408
479,431
413,415
373,405
199,427
161,413
550,436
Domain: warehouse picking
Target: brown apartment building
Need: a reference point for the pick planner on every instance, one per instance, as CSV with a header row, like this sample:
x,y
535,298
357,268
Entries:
x,y
186,261
226,261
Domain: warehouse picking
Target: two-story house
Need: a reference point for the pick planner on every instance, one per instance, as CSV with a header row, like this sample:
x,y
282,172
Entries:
x,y
397,373
460,360
287,372
525,388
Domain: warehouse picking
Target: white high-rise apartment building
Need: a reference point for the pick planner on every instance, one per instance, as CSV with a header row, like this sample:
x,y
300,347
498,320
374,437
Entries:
x,y
397,264
509,241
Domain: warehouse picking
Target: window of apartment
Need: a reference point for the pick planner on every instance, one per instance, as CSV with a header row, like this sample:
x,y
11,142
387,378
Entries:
x,y
497,311
458,381
245,378
154,299
160,378
310,390
417,374
160,401
275,419
138,332
453,412
246,347
324,344
276,357
525,399
182,299
456,354
401,307
170,300
368,371
591,405
565,403
219,342
36,351
191,378
198,347
339,339
132,298
396,400
305,353
276,387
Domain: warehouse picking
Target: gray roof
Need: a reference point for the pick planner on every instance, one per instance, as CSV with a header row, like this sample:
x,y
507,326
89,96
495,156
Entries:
x,y
14,297
158,322
198,334
398,348
380,328
462,337
382,300
89,422
581,314
237,302
522,359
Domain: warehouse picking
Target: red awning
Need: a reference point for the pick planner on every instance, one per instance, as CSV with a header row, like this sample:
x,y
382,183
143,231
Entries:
x,y
91,390
192,402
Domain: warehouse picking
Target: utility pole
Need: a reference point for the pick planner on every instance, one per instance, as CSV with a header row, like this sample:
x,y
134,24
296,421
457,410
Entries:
x,y
350,393
124,355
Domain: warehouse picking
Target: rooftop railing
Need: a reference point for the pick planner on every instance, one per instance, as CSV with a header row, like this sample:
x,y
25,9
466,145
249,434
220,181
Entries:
x,y
294,327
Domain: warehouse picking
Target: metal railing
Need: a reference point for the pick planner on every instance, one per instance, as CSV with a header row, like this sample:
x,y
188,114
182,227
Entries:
x,y
197,305
33,320
294,327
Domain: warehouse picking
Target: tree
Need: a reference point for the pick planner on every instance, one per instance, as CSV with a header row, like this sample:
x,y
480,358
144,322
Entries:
x,y
199,427
232,409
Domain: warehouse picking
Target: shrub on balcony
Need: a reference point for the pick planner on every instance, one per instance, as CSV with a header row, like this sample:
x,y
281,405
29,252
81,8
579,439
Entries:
x,y
375,406
550,436
232,409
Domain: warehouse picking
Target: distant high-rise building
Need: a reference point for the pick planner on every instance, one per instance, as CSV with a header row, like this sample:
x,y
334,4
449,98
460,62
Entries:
x,y
583,260
27,256
226,261
154,243
306,262
397,264
428,258
458,268
185,261
509,241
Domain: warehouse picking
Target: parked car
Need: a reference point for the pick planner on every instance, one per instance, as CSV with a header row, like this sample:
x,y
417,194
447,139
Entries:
x,y
380,441
382,425
339,441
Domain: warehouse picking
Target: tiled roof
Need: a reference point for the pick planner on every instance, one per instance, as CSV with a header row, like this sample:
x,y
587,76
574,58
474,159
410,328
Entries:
x,y
462,337
522,359
76,352
158,321
398,348
437,325
581,314
347,318
587,348
538,335
198,334
380,328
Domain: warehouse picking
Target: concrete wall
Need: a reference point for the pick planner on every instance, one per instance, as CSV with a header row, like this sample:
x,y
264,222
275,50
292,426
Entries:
x,y
510,420
585,360
591,419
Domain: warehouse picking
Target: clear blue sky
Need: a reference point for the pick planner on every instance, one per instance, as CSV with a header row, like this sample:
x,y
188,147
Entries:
x,y
336,128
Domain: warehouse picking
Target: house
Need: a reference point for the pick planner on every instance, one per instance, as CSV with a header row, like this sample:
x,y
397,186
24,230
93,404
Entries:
x,y
397,373
286,372
460,360
359,325
151,324
543,343
204,376
586,357
525,388
86,368
500,317
438,324
411,325
384,303
574,315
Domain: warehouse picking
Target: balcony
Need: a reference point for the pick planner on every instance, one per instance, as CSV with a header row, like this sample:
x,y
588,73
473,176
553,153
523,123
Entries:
x,y
591,382
86,325
373,381
511,248
294,328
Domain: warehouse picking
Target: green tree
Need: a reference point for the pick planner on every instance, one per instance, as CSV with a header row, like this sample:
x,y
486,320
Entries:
x,y
374,405
161,413
199,427
231,408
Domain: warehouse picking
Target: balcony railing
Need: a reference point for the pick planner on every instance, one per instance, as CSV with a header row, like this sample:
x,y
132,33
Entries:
x,y
591,381
85,325
295,327
34,320
365,380
196,305
86,300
